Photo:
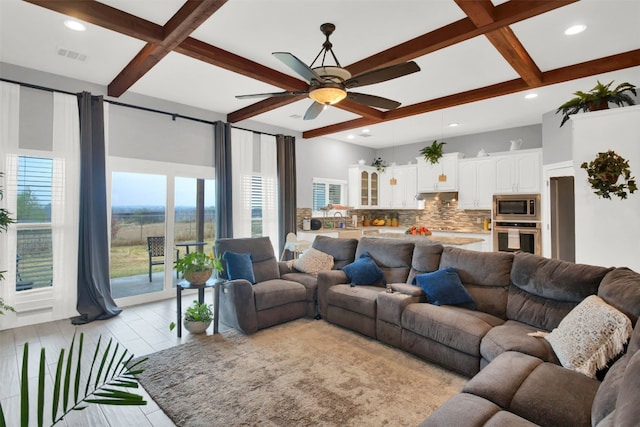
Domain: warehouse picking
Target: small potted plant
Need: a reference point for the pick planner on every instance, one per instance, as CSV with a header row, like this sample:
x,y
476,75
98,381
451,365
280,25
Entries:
x,y
432,153
197,318
379,164
597,98
197,267
605,172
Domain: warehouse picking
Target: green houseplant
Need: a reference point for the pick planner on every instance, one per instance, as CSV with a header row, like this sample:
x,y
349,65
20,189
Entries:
x,y
5,220
597,98
605,172
112,371
197,267
197,318
379,164
433,153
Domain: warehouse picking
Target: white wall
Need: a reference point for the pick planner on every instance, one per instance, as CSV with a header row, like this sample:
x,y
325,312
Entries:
x,y
607,231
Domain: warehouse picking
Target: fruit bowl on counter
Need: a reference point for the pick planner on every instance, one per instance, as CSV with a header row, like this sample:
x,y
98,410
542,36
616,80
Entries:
x,y
378,222
418,231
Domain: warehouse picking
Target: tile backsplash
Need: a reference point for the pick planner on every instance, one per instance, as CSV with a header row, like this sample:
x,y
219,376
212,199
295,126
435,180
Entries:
x,y
436,215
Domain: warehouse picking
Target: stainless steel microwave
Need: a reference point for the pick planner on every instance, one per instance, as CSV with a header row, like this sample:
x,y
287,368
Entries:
x,y
516,207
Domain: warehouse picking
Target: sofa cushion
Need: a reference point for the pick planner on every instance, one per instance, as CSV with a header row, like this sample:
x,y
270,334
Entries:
x,y
546,290
621,289
277,292
392,256
357,299
364,271
488,286
342,250
455,327
628,402
512,336
312,261
239,266
592,334
443,287
426,258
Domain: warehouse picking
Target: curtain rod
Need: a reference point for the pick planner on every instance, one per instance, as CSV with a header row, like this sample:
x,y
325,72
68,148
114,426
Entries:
x,y
135,107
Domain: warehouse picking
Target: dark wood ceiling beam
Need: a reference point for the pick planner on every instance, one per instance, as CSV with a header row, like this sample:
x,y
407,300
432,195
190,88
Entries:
x,y
459,31
107,17
189,17
503,39
559,75
361,110
229,61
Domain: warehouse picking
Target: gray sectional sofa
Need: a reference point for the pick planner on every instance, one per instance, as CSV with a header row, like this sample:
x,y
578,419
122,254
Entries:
x,y
517,378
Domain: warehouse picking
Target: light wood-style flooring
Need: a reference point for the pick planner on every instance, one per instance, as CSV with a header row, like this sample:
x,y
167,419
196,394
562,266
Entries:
x,y
142,329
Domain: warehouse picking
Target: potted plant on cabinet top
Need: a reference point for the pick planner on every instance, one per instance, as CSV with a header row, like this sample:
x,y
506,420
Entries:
x,y
197,267
379,164
597,98
433,153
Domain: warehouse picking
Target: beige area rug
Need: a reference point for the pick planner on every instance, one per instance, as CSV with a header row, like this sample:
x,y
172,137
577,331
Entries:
x,y
302,373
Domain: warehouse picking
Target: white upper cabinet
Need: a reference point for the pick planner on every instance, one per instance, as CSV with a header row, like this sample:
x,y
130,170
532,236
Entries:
x,y
519,172
443,176
402,194
363,187
477,183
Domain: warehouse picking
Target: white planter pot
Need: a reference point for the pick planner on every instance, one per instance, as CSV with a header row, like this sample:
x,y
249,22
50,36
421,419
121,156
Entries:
x,y
196,327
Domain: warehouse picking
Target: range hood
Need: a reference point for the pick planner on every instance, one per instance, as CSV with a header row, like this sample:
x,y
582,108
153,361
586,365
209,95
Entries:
x,y
443,196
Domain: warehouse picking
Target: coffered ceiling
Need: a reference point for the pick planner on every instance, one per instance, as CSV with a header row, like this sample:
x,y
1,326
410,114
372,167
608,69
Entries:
x,y
478,59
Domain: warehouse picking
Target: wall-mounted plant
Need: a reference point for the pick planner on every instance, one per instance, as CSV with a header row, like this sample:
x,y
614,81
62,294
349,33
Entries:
x,y
379,164
609,174
432,153
597,98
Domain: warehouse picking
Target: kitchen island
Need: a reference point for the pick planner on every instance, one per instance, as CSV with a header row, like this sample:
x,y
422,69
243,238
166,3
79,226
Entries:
x,y
443,240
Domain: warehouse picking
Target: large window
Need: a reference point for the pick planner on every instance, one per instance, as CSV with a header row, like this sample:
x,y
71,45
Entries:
x,y
327,192
34,253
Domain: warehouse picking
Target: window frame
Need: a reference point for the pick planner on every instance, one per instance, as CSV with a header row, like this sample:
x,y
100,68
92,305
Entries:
x,y
327,182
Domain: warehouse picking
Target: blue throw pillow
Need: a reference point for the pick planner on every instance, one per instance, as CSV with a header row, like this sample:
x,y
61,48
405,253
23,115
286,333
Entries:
x,y
363,271
239,266
444,287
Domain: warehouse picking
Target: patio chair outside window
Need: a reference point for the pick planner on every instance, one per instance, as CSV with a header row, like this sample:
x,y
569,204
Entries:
x,y
155,248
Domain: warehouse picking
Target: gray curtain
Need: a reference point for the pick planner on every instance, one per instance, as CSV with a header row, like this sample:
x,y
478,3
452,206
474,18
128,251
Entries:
x,y
222,153
287,204
94,289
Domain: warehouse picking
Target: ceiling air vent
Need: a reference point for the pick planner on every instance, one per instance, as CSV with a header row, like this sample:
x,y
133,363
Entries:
x,y
71,54
364,135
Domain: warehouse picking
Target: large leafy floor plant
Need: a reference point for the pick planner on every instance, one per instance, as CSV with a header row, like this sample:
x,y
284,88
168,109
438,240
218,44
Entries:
x,y
112,372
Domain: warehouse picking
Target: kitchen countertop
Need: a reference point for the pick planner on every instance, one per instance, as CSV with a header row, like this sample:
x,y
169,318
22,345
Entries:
x,y
443,240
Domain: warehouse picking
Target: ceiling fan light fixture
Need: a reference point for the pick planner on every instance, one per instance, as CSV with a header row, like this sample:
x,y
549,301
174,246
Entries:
x,y
328,94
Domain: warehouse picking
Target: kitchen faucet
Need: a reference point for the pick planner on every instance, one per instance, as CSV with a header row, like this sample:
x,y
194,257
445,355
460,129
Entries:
x,y
335,223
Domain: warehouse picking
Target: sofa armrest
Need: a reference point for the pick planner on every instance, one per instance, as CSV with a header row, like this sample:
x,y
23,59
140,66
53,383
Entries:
x,y
237,305
406,289
286,267
327,279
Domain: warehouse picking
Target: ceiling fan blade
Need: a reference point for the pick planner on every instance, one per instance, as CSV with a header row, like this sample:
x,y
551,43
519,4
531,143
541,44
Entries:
x,y
268,95
298,66
313,111
373,100
382,74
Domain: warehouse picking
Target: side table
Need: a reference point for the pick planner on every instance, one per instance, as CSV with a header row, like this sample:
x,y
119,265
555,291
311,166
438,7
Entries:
x,y
211,283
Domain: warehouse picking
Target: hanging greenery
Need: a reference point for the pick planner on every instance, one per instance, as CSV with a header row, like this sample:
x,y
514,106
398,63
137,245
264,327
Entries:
x,y
609,174
432,153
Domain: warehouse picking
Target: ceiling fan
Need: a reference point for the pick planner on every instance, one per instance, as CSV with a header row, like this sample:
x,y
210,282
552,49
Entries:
x,y
328,84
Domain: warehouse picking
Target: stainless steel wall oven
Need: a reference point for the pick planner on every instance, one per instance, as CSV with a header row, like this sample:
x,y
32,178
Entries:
x,y
516,223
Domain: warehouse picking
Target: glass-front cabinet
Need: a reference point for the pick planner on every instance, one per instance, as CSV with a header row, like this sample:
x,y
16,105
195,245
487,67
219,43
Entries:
x,y
363,187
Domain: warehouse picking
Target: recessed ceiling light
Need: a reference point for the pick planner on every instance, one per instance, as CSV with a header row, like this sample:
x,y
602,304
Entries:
x,y
74,25
531,95
575,29
365,131
453,125
350,136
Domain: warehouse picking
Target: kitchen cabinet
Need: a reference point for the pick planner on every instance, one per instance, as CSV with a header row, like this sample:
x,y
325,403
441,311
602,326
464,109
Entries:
x,y
519,172
443,176
402,194
363,187
477,183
